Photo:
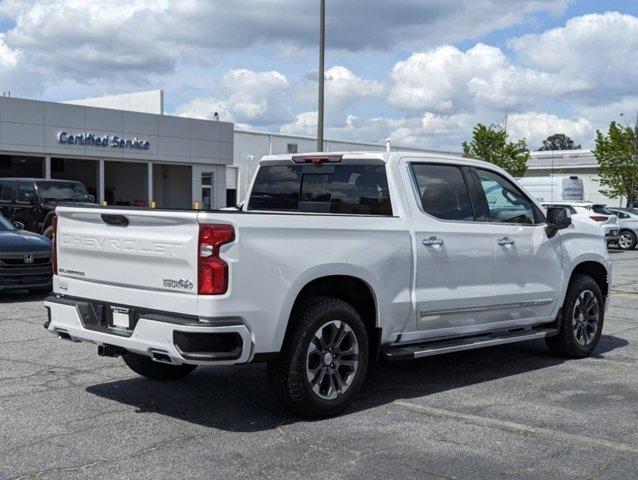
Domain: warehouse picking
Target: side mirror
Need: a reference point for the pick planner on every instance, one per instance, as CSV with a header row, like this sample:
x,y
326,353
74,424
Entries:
x,y
18,225
558,218
91,198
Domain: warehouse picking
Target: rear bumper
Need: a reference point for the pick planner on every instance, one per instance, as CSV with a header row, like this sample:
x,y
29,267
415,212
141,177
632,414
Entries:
x,y
612,232
154,335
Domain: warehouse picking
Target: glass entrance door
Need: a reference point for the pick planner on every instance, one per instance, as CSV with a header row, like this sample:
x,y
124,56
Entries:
x,y
207,190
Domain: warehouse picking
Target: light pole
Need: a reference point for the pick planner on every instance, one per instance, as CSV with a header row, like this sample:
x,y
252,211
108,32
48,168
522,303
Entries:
x,y
322,46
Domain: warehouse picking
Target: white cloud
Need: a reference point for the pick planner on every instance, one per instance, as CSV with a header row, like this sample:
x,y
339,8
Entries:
x,y
258,99
8,58
246,97
575,78
344,90
430,130
536,127
343,87
130,41
599,49
304,124
446,79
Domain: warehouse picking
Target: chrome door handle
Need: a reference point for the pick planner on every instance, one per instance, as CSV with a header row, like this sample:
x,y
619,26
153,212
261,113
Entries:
x,y
430,242
505,241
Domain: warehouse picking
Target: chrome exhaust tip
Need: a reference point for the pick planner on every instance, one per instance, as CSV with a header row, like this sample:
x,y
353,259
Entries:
x,y
161,356
63,334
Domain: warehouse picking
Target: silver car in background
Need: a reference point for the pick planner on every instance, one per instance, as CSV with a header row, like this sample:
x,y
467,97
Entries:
x,y
628,221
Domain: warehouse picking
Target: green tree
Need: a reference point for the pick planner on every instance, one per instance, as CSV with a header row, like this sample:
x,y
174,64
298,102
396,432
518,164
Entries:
x,y
618,162
491,144
559,141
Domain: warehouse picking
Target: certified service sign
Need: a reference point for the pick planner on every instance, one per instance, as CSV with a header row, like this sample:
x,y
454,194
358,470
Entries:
x,y
112,141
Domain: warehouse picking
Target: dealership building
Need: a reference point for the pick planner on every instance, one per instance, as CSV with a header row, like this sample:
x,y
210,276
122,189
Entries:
x,y
126,151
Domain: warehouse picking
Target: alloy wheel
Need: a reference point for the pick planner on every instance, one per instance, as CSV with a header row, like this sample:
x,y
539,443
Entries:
x,y
332,359
585,317
625,241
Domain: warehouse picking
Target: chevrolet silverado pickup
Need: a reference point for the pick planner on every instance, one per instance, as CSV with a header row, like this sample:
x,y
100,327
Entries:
x,y
334,261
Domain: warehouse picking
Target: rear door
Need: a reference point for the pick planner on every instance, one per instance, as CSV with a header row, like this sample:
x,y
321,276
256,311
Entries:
x,y
454,253
527,268
142,250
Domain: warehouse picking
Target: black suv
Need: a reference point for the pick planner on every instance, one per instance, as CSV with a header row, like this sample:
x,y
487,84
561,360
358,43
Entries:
x,y
32,201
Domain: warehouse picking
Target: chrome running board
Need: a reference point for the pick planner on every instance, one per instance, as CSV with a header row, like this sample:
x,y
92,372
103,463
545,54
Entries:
x,y
427,349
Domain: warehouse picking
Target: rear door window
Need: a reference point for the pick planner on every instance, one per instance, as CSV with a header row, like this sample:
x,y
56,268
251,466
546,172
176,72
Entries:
x,y
443,191
339,189
6,192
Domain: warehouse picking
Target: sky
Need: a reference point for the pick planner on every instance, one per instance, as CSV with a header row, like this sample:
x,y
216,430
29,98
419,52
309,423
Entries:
x,y
419,72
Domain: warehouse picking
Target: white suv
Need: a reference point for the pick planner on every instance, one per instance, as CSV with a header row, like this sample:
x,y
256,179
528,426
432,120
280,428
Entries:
x,y
596,214
333,261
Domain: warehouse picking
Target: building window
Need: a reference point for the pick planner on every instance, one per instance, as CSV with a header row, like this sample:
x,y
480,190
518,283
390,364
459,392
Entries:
x,y
19,166
293,148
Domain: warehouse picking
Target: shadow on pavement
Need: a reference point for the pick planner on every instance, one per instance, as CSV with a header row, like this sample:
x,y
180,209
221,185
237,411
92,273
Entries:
x,y
238,398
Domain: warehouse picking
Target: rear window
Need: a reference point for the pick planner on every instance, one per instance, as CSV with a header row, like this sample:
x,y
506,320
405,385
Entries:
x,y
601,209
345,189
63,191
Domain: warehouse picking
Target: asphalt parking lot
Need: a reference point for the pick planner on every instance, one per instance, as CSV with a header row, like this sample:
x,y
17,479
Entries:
x,y
505,412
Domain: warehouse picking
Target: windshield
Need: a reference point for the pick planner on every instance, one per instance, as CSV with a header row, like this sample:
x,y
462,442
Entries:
x,y
63,191
5,225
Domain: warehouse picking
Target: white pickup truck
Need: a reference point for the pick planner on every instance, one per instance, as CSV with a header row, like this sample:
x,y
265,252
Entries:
x,y
334,261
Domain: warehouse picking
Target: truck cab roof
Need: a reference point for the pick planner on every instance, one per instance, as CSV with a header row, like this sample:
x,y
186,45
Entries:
x,y
385,157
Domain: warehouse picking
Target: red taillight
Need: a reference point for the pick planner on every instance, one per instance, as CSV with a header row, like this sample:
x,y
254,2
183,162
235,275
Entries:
x,y
54,253
213,271
599,218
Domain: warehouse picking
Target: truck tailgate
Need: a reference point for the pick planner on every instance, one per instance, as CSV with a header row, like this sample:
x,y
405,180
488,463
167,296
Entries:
x,y
150,250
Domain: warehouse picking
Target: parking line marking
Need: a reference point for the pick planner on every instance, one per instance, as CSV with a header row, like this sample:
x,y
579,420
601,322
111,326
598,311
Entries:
x,y
521,428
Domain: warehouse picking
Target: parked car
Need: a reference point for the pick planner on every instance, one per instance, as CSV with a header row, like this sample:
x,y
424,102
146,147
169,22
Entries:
x,y
25,259
334,261
628,220
554,188
32,201
594,213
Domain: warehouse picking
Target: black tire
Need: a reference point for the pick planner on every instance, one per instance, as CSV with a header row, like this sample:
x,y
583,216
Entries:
x,y
143,365
566,343
288,374
630,238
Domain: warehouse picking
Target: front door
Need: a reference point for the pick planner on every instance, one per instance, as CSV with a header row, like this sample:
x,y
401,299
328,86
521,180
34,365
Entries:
x,y
26,207
454,253
527,270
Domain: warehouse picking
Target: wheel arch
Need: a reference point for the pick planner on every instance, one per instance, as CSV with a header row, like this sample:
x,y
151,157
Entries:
x,y
595,270
351,289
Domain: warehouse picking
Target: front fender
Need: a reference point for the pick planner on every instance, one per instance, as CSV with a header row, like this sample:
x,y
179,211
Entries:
x,y
581,243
